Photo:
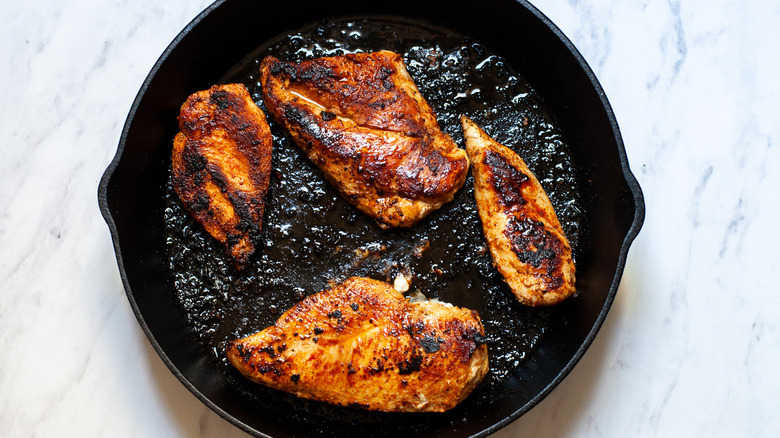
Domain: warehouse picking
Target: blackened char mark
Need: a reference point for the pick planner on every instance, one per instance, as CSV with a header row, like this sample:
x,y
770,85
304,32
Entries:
x,y
220,98
282,69
534,245
430,344
194,168
410,365
194,161
316,73
240,202
465,339
199,202
255,362
506,179
311,129
232,116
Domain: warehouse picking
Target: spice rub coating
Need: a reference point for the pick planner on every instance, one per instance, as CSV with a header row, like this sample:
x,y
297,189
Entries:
x,y
222,165
361,119
362,344
526,240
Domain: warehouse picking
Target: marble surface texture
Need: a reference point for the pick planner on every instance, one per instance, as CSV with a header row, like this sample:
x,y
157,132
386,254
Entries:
x,y
690,348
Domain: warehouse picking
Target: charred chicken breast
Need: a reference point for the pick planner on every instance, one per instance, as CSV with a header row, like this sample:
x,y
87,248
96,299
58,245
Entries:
x,y
362,121
362,344
523,233
222,164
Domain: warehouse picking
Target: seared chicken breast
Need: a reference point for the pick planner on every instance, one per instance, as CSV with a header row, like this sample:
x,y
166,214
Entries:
x,y
362,344
222,164
523,233
362,121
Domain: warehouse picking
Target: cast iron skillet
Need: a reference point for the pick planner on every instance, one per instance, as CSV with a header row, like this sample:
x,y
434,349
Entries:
x,y
132,200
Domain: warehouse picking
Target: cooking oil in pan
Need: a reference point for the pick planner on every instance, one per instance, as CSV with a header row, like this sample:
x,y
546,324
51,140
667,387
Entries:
x,y
312,238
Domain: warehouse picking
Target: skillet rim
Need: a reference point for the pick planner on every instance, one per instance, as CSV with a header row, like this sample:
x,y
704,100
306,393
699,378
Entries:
x,y
633,230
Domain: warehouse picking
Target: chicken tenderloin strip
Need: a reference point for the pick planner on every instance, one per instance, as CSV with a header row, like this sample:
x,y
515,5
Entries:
x,y
526,240
362,344
362,121
222,165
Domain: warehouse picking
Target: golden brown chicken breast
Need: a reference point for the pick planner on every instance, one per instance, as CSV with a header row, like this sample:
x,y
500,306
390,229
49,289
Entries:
x,y
525,238
361,119
362,344
222,164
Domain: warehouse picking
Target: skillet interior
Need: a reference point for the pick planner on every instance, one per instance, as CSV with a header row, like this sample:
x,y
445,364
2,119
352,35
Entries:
x,y
133,200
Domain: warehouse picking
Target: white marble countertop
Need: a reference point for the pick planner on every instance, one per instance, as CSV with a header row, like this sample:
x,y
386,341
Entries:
x,y
690,348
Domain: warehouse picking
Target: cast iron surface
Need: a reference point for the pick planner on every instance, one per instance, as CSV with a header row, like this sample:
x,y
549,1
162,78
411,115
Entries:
x,y
609,213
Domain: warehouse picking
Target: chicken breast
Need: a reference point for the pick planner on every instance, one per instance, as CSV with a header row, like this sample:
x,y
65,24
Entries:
x,y
362,121
362,344
526,240
222,164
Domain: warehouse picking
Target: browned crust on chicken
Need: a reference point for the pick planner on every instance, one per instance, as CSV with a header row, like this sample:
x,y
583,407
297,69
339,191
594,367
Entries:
x,y
362,344
525,238
362,121
222,164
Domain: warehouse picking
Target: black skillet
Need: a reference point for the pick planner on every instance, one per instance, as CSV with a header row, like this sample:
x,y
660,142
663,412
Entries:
x,y
220,45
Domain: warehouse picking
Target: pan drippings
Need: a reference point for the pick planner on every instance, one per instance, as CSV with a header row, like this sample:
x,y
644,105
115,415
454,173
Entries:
x,y
313,239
